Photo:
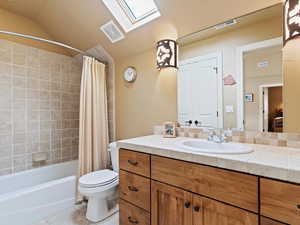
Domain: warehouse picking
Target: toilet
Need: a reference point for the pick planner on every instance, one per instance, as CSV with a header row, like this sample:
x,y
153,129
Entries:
x,y
99,187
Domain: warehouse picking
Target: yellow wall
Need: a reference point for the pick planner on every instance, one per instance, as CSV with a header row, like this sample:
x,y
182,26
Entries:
x,y
19,24
149,101
256,77
291,87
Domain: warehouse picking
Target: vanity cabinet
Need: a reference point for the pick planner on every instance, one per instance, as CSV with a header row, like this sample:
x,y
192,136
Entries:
x,y
174,206
129,214
135,162
173,192
235,188
267,221
170,205
135,189
280,201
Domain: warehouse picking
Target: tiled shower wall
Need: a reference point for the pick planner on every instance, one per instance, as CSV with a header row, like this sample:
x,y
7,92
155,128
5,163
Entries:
x,y
39,106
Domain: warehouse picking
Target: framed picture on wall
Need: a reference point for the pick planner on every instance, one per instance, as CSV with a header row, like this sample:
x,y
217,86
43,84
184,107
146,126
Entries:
x,y
169,129
249,97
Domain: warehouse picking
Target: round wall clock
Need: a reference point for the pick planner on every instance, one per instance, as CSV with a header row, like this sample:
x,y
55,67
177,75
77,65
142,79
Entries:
x,y
130,74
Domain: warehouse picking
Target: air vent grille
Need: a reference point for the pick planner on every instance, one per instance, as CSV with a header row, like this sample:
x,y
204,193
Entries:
x,y
112,31
226,24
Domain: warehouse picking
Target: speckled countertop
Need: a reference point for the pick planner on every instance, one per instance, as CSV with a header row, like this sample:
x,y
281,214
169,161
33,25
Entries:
x,y
269,161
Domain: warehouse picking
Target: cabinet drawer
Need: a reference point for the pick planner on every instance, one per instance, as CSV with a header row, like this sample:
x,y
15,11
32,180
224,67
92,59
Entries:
x,y
135,162
280,201
130,215
267,221
135,189
231,187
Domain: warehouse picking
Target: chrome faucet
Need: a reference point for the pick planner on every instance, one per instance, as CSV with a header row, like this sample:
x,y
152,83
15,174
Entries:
x,y
217,136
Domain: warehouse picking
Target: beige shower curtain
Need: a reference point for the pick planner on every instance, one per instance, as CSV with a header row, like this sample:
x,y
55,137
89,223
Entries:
x,y
93,123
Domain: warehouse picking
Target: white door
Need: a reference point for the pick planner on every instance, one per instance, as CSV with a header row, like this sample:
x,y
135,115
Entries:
x,y
200,91
265,109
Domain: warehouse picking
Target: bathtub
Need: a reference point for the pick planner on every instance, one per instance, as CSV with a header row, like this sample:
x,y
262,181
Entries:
x,y
30,196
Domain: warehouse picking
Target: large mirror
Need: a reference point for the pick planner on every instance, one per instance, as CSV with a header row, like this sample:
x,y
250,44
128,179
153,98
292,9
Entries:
x,y
230,75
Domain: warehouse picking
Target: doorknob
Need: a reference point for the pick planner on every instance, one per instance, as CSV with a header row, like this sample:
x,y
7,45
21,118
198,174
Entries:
x,y
196,208
132,163
132,220
187,205
132,188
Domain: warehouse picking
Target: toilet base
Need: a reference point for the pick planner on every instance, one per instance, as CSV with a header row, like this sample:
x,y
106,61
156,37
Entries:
x,y
97,209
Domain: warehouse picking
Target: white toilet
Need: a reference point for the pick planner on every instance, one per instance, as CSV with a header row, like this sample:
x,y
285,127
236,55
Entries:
x,y
100,186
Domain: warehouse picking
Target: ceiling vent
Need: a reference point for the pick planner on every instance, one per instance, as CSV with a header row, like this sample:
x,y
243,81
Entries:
x,y
226,24
112,31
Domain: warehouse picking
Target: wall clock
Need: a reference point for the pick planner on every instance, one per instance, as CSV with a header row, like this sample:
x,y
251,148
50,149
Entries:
x,y
130,74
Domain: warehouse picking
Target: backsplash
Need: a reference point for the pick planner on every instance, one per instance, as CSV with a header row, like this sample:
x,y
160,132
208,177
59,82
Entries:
x,y
39,106
250,137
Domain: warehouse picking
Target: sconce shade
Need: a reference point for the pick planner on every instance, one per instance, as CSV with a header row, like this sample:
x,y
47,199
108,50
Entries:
x,y
166,55
291,20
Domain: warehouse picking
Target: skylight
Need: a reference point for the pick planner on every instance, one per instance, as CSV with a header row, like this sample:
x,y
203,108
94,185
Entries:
x,y
138,9
132,14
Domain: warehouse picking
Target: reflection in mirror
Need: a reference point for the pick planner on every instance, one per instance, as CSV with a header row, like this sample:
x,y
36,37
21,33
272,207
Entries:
x,y
230,75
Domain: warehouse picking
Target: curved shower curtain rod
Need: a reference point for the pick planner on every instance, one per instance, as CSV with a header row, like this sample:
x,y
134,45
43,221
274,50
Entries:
x,y
50,42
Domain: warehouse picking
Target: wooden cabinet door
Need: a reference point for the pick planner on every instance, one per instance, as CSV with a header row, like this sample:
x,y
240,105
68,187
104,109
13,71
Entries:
x,y
235,188
280,201
170,206
212,212
267,221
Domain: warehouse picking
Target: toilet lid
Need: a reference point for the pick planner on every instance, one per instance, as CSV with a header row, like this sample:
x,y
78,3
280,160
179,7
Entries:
x,y
98,178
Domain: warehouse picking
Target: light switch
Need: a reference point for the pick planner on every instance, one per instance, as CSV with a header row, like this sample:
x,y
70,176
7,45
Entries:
x,y
229,109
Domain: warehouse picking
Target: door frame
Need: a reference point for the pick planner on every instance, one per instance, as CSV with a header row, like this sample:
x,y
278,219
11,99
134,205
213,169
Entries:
x,y
240,73
219,57
261,119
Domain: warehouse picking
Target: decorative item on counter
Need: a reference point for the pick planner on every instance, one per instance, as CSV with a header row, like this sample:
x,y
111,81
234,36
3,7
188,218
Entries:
x,y
166,55
169,129
291,20
229,80
249,97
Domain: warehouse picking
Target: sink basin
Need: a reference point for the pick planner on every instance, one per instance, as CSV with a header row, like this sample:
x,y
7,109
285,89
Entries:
x,y
215,148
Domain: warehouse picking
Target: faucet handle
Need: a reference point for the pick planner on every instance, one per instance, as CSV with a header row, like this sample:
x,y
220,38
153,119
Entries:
x,y
198,123
188,122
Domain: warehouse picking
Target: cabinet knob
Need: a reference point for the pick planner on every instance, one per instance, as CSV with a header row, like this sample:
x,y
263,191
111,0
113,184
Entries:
x,y
187,205
132,220
298,206
196,208
132,188
132,163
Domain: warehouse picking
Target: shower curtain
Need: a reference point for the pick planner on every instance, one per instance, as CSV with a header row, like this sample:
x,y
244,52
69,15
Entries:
x,y
93,122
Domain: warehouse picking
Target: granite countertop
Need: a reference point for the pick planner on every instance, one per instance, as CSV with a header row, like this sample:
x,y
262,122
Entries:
x,y
268,161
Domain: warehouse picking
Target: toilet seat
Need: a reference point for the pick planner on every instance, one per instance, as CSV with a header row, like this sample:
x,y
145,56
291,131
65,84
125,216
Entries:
x,y
98,179
96,190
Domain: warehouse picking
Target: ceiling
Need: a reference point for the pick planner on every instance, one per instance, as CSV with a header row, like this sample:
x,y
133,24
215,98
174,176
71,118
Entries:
x,y
77,22
261,15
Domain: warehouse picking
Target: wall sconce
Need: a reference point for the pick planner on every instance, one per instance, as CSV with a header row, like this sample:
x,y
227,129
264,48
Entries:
x,y
166,55
291,20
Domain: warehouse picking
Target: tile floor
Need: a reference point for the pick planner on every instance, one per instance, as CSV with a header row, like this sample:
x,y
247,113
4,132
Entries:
x,y
76,216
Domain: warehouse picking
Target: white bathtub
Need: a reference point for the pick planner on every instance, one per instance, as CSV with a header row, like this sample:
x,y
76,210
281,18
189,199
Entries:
x,y
30,196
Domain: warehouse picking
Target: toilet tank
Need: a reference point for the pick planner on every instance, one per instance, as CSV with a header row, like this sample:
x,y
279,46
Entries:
x,y
114,155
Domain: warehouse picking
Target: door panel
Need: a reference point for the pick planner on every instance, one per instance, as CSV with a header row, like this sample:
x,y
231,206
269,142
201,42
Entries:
x,y
280,201
267,221
198,212
232,187
196,81
170,206
130,214
216,213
